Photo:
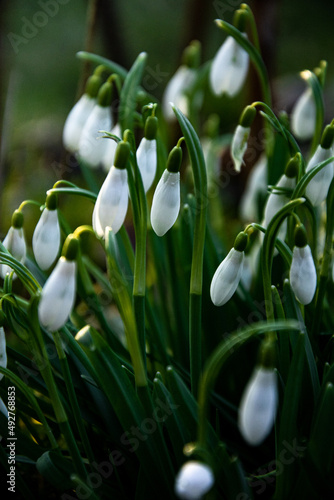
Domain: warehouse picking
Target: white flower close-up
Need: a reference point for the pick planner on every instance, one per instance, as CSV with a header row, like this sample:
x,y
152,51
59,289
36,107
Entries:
x,y
58,295
76,121
15,243
194,480
166,202
317,188
46,239
303,274
147,161
257,410
303,116
239,146
175,91
92,146
226,279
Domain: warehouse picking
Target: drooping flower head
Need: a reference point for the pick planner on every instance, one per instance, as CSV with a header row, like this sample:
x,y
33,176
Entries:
x,y
194,480
92,147
229,67
112,201
15,243
167,197
317,188
58,294
303,274
147,153
78,116
177,89
303,116
258,405
226,279
46,237
241,135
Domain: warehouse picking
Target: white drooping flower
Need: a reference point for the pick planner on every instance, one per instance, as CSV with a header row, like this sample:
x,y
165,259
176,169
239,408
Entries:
x,y
76,121
58,295
258,406
92,147
239,146
226,279
46,238
112,201
15,243
194,480
3,352
317,188
256,186
303,274
109,156
176,91
229,68
166,202
303,116
147,161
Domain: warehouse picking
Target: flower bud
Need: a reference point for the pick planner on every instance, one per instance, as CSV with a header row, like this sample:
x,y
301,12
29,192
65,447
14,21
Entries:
x,y
147,153
46,237
194,480
15,243
303,116
303,275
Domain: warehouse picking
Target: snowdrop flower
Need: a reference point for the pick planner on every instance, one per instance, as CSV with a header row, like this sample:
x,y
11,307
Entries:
x,y
240,138
317,188
256,186
303,116
181,82
109,156
226,279
167,198
3,353
277,201
92,147
46,237
58,294
147,153
15,243
303,275
112,201
79,114
257,410
194,480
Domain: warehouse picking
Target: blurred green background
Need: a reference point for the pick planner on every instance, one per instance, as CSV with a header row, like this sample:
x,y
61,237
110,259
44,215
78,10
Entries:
x,y
40,73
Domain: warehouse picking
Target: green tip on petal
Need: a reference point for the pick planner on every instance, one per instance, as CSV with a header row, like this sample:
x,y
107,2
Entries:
x,y
51,201
71,247
191,56
241,241
267,353
17,219
122,154
174,159
151,127
293,166
93,85
327,136
300,236
247,116
105,94
240,19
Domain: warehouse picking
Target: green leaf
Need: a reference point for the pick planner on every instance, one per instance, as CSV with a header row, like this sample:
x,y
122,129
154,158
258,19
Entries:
x,y
128,97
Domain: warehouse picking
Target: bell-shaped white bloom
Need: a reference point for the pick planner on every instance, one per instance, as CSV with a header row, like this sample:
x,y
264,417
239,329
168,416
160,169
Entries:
x,y
92,147
258,406
277,201
175,91
317,188
229,68
58,295
46,239
3,353
76,121
109,156
303,116
255,187
166,202
226,279
15,243
147,161
112,202
194,480
239,146
303,275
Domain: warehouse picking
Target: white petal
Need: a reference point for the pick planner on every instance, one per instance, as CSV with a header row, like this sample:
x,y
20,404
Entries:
x,y
15,243
3,353
175,91
303,116
258,406
58,295
166,202
226,279
112,202
92,147
277,201
229,68
109,156
303,275
147,161
75,122
46,239
255,186
317,188
239,146
194,480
